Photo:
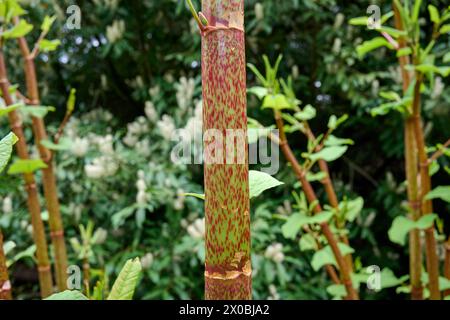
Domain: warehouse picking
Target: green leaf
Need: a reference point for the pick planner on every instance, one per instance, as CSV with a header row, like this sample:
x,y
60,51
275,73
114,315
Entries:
x,y
393,32
401,226
310,176
325,256
337,291
126,282
195,195
416,10
6,145
47,23
446,57
63,144
276,101
390,95
26,166
8,109
428,68
335,122
67,295
49,45
260,182
307,242
445,29
370,45
296,221
19,30
37,111
329,153
335,141
434,14
308,113
441,192
359,21
352,208
404,52
260,92
389,280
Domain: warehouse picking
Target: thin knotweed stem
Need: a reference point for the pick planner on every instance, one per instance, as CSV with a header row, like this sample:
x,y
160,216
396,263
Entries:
x,y
312,198
329,268
390,40
61,128
49,177
425,186
44,269
439,153
411,167
195,15
5,284
329,189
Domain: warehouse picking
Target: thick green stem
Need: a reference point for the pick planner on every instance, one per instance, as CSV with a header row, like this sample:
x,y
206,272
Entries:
x,y
49,178
227,206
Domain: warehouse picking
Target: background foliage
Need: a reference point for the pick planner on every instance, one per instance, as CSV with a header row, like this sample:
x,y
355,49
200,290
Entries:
x,y
132,56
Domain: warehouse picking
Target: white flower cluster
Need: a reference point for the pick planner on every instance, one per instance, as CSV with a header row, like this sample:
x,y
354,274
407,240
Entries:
x,y
438,88
193,128
147,261
7,205
134,130
79,147
115,31
105,165
273,293
259,11
150,111
275,252
185,92
141,197
179,201
337,44
154,91
340,19
197,229
166,127
100,236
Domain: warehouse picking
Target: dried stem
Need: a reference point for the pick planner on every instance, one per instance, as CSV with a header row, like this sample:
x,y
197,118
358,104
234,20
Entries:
x,y
44,269
411,167
311,196
49,178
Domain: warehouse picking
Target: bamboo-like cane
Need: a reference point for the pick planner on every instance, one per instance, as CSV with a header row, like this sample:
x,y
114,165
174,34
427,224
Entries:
x,y
49,178
44,269
227,207
411,167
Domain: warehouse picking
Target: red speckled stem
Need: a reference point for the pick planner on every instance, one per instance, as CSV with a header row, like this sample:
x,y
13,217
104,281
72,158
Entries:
x,y
227,207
